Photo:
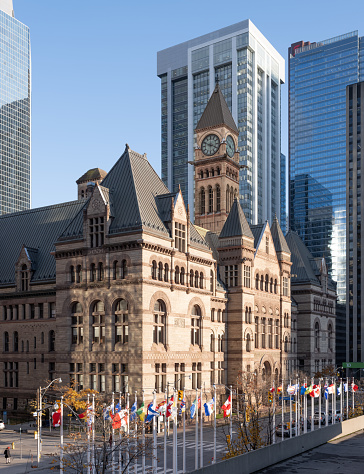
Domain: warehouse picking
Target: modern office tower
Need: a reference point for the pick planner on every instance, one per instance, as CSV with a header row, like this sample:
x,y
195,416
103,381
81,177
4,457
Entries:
x,y
15,85
355,238
250,73
283,182
318,76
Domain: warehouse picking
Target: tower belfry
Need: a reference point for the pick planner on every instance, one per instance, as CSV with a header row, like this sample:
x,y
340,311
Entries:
x,y
216,163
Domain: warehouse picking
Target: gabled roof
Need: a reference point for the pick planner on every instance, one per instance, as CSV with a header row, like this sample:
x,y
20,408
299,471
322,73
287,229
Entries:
x,y
216,113
91,175
258,231
280,243
36,230
236,224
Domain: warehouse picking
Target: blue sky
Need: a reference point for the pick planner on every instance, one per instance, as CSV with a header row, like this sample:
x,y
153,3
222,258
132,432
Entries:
x,y
94,83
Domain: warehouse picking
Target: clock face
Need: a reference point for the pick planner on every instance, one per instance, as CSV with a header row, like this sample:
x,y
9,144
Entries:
x,y
210,145
230,146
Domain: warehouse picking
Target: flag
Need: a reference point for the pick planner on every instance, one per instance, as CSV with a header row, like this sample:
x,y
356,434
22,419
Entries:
x,y
354,387
291,389
279,389
161,407
133,411
120,419
180,395
182,406
316,389
308,390
331,389
151,412
193,409
108,412
140,412
117,408
56,418
227,407
338,392
326,393
170,407
303,389
272,390
345,387
209,407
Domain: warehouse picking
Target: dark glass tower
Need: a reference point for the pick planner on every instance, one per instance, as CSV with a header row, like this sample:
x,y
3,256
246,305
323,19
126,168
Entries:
x,y
318,76
15,85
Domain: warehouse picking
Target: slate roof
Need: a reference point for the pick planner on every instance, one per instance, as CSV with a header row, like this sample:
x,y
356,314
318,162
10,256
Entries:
x,y
303,263
91,175
236,223
258,231
280,243
37,230
216,113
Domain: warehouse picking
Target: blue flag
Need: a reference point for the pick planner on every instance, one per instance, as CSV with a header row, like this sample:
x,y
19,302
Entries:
x,y
303,390
151,413
133,411
193,409
326,392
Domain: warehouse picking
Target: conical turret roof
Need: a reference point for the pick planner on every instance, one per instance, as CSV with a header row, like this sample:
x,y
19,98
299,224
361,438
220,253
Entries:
x,y
236,224
217,113
280,243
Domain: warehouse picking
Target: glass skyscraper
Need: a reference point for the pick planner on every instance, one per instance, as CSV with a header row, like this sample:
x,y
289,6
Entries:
x,y
250,73
318,76
15,86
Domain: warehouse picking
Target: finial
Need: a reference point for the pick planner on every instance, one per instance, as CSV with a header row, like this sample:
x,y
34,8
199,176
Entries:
x,y
127,147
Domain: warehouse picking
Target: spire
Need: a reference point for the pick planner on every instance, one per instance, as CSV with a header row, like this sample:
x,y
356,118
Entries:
x,y
236,224
217,113
280,243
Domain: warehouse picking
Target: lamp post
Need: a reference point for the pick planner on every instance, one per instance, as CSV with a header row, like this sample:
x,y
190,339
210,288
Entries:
x,y
39,413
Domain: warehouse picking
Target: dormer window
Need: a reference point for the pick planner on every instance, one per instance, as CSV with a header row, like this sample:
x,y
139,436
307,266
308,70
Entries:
x,y
180,236
24,278
97,232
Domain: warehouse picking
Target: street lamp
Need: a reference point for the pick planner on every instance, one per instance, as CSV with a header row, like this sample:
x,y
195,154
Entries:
x,y
39,417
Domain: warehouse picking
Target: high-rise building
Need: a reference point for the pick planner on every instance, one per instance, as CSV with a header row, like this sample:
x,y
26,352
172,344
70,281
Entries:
x,y
15,85
354,235
283,184
318,76
250,73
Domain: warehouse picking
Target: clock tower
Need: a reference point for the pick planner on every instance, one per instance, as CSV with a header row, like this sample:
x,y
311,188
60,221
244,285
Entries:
x,y
216,164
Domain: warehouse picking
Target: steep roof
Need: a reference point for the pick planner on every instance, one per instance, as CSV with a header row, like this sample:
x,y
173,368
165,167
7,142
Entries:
x,y
216,113
91,175
258,231
280,243
36,230
236,223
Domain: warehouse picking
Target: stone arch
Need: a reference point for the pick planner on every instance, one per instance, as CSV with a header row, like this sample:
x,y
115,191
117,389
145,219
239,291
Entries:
x,y
160,295
248,331
196,301
122,295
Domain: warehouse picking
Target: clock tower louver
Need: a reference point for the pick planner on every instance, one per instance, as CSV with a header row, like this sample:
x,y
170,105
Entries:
x,y
216,163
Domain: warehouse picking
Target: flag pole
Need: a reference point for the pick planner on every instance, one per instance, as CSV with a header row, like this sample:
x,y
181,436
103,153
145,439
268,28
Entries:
x,y
143,438
119,450
327,404
274,414
231,414
320,403
282,412
312,406
154,463
165,433
201,432
93,434
347,398
290,411
341,400
305,409
296,407
174,453
127,431
214,458
196,432
136,433
184,433
175,420
112,434
61,434
352,389
88,432
334,403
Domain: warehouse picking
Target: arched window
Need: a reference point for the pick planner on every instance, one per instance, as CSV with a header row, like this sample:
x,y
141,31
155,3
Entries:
x,y
160,271
196,279
218,171
218,198
227,198
159,324
202,201
98,323
123,269
182,276
24,278
196,326
246,315
176,275
93,272
207,173
77,323
211,281
166,272
261,282
250,315
212,343
41,339
266,283
317,336
257,282
114,269
121,322
52,341
330,332
211,199
6,341
275,286
212,172
271,285
78,274
201,280
100,271
191,278
154,270
231,197
72,274
200,174
248,349
286,344
16,341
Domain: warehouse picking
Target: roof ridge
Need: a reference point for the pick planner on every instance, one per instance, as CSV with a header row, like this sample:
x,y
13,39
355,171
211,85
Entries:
x,y
39,209
236,223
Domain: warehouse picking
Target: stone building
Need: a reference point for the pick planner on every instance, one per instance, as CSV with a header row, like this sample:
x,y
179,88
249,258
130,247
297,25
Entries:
x,y
119,289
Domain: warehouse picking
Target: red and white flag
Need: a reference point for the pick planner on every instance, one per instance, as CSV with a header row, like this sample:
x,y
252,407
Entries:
x,y
331,389
316,390
354,387
56,418
227,407
169,407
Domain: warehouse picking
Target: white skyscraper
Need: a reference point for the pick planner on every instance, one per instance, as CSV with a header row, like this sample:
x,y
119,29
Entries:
x,y
250,72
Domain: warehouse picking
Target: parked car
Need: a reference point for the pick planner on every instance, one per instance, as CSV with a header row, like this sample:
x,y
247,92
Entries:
x,y
2,425
338,416
317,417
286,429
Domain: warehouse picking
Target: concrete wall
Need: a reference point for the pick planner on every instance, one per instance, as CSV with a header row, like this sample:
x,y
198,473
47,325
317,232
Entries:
x,y
264,457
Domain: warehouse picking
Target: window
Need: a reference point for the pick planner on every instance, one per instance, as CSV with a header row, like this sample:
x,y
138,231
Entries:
x,y
72,274
330,333
159,326
6,341
246,315
231,275
160,271
123,269
160,377
285,286
257,282
41,310
201,280
176,275
178,377
93,272
96,230
286,344
51,341
154,270
212,315
271,285
180,236
211,281
266,283
263,332
35,342
275,286
98,323
196,375
276,333
247,276
76,375
212,373
16,341
166,272
196,279
114,269
211,199
78,274
11,374
24,278
51,310
102,378
196,326
270,333
202,201
261,283
182,276
248,343
218,198
32,311
212,343
41,339
121,322
317,336
100,271
77,323
191,278
120,377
